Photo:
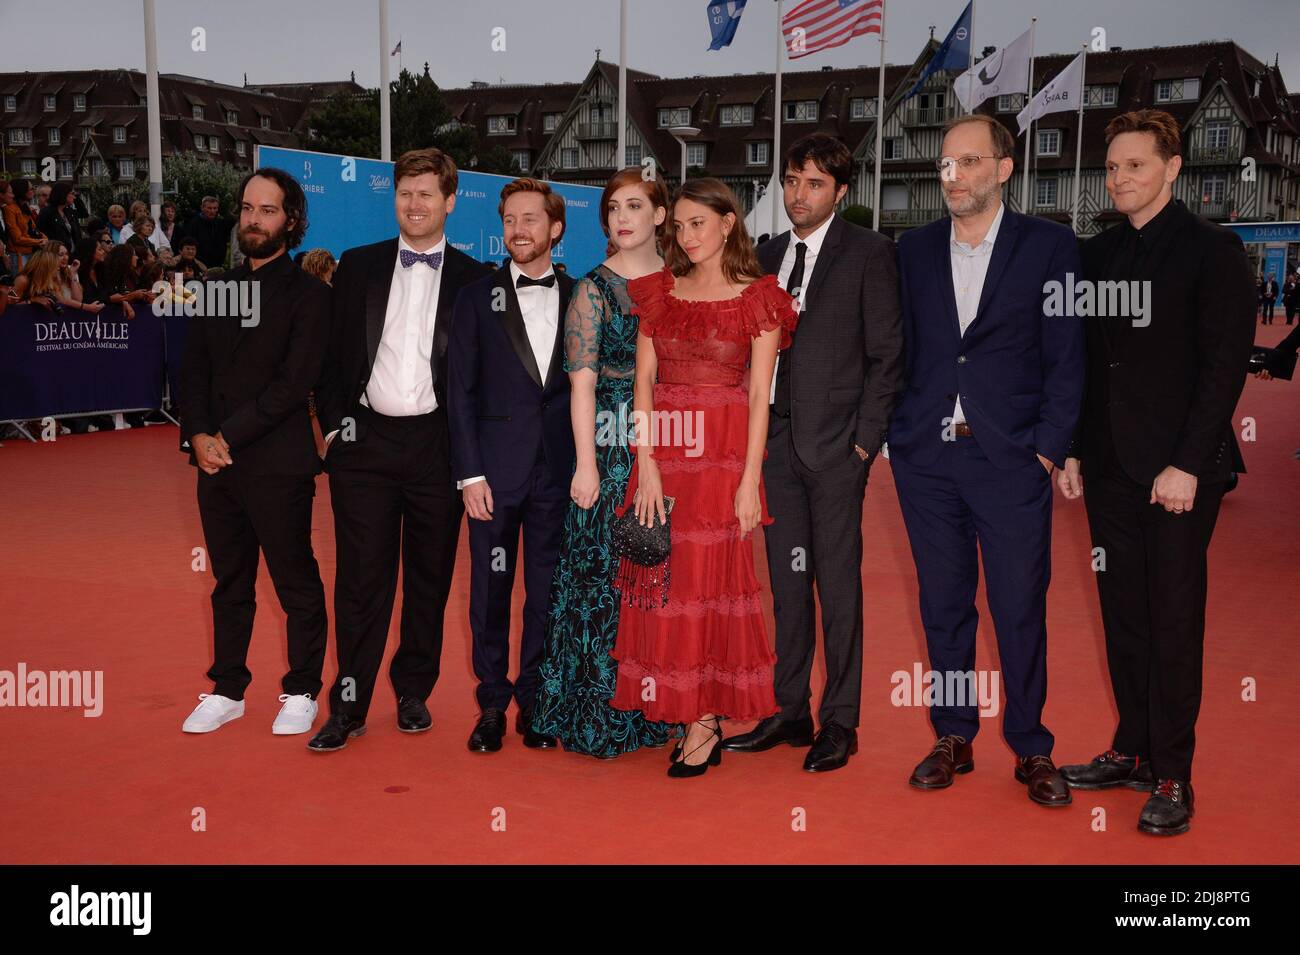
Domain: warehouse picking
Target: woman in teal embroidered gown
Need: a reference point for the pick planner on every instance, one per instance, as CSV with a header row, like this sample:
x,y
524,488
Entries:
x,y
578,674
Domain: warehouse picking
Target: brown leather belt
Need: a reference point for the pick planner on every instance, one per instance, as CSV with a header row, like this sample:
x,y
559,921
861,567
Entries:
x,y
962,430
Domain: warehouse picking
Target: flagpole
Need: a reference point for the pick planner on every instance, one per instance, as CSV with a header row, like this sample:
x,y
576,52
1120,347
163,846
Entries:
x,y
1078,144
1029,130
970,59
880,124
620,156
385,115
776,118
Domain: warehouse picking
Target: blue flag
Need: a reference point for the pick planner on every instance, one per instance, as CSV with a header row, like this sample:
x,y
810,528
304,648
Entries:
x,y
724,18
954,54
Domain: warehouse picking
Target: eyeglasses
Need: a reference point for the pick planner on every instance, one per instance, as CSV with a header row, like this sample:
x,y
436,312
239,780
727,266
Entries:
x,y
967,163
105,241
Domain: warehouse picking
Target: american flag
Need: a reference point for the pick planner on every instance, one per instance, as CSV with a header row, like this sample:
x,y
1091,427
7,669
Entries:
x,y
821,24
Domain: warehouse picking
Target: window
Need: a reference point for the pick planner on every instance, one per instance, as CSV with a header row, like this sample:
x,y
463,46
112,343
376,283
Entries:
x,y
632,156
196,112
500,125
214,144
860,107
232,117
602,113
50,103
97,167
1169,91
1045,193
1100,95
676,116
266,122
144,100
738,115
1214,189
79,103
801,111
1011,102
20,137
569,157
126,168
200,142
119,134
1218,134
1049,142
756,154
695,153
28,167
933,100
893,146
550,121
240,148
521,159
54,135
11,104
65,168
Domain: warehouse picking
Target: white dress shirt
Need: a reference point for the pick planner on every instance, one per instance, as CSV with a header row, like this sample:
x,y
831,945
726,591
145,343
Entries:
x,y
814,246
401,380
541,310
969,267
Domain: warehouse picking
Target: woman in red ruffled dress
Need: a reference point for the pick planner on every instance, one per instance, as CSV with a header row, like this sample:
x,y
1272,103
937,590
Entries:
x,y
711,324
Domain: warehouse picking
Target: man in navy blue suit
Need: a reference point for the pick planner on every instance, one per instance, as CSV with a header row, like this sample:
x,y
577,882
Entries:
x,y
994,388
512,448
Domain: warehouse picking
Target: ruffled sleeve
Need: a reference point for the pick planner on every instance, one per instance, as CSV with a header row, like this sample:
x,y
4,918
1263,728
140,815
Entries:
x,y
768,306
648,294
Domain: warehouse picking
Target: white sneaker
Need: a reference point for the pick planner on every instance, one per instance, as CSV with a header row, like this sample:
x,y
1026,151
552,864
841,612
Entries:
x,y
212,712
296,716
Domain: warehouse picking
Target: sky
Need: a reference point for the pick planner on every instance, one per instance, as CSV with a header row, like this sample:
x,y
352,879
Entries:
x,y
288,41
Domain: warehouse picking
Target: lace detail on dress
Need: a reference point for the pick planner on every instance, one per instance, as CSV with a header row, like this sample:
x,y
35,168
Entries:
x,y
693,679
761,307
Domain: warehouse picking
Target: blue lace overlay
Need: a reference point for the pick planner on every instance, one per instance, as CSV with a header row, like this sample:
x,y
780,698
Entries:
x,y
577,676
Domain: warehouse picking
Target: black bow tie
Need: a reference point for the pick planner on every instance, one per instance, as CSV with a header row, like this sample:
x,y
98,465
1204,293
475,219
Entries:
x,y
524,281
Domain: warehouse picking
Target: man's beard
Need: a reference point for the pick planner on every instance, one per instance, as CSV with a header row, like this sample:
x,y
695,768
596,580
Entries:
x,y
257,246
522,256
976,201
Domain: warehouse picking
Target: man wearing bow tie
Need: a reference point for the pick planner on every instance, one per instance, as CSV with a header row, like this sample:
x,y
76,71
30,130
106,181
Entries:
x,y
512,448
382,406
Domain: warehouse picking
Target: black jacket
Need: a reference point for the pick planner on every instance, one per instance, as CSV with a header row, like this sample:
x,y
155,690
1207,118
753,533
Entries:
x,y
212,236
1167,391
251,383
62,228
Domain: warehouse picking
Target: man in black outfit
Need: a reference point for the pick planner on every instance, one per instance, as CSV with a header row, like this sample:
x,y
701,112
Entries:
x,y
833,391
1156,445
382,406
211,231
244,385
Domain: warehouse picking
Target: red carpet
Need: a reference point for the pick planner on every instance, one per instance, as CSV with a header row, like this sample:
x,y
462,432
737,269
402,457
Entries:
x,y
95,557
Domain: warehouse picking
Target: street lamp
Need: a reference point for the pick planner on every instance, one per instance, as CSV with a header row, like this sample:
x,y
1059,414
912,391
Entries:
x,y
681,134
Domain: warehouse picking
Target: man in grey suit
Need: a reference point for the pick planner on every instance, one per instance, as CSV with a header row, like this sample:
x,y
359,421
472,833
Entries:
x,y
832,396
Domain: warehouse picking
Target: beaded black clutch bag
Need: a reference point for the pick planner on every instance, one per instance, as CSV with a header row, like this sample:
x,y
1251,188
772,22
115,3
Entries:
x,y
644,569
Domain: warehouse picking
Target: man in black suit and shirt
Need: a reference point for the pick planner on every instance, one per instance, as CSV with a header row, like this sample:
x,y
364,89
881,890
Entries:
x,y
1156,445
382,406
244,386
833,392
512,449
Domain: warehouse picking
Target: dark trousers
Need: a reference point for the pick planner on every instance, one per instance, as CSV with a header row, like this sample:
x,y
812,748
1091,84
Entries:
x,y
537,509
1152,594
394,501
815,540
951,507
242,513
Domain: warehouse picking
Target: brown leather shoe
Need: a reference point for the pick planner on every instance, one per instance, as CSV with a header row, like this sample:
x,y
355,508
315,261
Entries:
x,y
951,754
1047,786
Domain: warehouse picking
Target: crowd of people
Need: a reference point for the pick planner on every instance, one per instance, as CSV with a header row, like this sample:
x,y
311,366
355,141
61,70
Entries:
x,y
634,426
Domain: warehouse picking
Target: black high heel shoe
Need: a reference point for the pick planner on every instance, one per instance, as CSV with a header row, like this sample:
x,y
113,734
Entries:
x,y
680,769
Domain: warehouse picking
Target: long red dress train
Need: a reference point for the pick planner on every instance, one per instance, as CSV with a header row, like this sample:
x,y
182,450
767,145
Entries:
x,y
707,650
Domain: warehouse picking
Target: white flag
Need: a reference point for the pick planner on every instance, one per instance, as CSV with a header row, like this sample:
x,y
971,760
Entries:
x,y
1005,72
1061,95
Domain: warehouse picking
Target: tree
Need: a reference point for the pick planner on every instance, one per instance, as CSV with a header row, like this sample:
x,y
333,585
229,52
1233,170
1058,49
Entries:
x,y
858,215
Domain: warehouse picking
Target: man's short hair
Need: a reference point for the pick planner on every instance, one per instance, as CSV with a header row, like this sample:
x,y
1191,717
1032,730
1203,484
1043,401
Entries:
x,y
1004,147
827,153
552,201
417,162
1169,138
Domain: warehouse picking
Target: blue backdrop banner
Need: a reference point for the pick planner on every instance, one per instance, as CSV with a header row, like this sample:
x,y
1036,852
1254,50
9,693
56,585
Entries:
x,y
350,203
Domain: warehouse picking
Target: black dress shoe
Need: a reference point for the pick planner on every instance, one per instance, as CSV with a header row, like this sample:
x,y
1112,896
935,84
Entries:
x,y
336,732
412,715
680,769
488,732
1169,811
1110,769
533,740
832,749
772,732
